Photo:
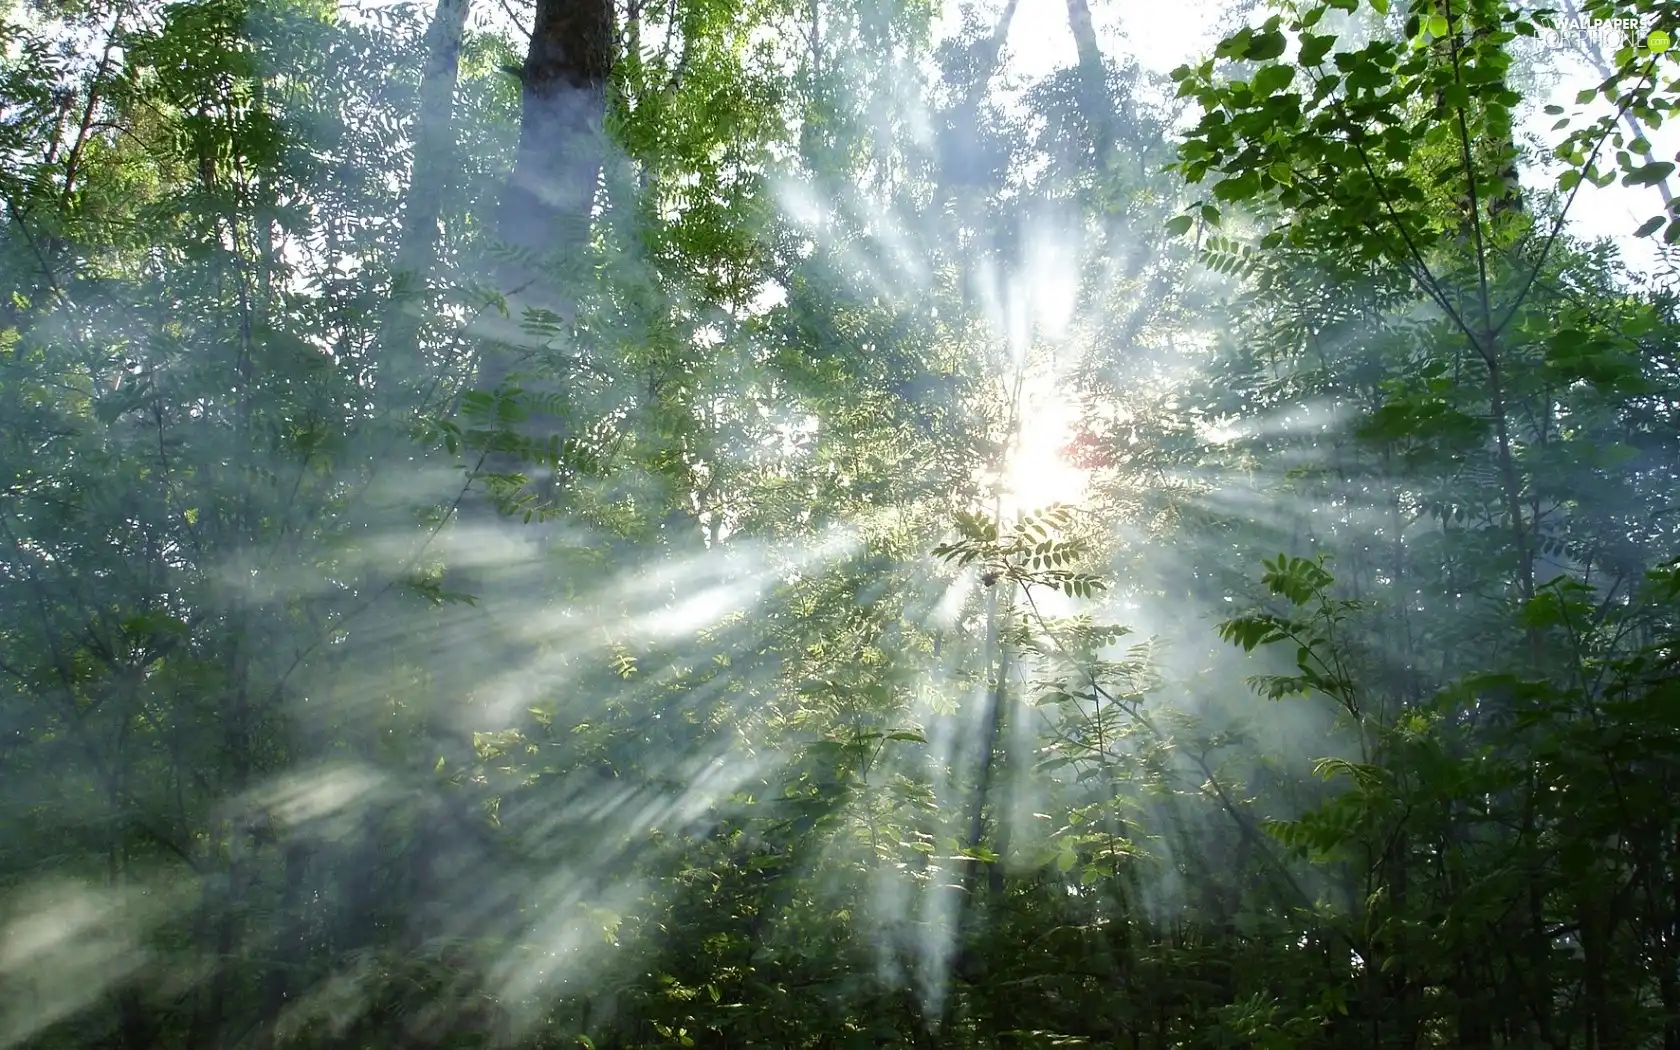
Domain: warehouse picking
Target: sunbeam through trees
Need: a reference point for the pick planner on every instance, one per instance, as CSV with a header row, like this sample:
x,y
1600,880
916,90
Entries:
x,y
806,526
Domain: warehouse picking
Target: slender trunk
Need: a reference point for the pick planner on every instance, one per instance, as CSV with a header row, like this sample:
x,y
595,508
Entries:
x,y
85,128
1093,75
992,727
1669,971
1496,140
1002,806
1596,989
434,141
1475,1028
137,1022
1508,477
434,138
991,730
1400,994
224,898
1500,140
286,955
1485,335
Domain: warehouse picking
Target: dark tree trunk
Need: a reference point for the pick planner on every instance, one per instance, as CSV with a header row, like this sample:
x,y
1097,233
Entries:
x,y
544,216
545,212
546,208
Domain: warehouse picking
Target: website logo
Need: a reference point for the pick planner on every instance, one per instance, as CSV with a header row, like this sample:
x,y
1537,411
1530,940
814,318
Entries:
x,y
1609,34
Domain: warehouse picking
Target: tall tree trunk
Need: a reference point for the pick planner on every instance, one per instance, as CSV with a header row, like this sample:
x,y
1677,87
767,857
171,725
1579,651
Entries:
x,y
544,216
1471,24
398,354
1471,20
1093,76
546,208
545,211
288,951
434,138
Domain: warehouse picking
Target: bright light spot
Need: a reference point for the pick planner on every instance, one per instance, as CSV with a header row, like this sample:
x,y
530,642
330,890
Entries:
x,y
1222,433
1038,474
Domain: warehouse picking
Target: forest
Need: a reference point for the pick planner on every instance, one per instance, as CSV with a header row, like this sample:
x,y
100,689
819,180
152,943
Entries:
x,y
621,524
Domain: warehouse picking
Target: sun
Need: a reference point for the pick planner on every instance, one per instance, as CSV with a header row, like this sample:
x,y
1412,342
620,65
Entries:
x,y
1037,473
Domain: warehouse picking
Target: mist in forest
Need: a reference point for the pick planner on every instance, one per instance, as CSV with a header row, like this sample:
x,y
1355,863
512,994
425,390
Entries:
x,y
833,525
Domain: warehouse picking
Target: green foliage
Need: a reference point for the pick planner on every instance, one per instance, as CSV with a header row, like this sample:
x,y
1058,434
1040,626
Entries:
x,y
1033,553
354,693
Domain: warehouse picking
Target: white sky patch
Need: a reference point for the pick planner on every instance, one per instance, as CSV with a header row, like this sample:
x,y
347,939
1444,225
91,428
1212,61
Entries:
x,y
1615,210
1161,37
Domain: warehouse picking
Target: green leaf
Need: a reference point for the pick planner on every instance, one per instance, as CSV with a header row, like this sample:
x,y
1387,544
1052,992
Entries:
x,y
1649,226
1235,46
1179,225
1648,174
1240,188
1314,48
1269,80
1266,46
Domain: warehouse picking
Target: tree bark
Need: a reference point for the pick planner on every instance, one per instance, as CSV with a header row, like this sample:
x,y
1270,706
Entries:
x,y
545,212
422,208
546,209
965,163
434,136
544,216
1093,75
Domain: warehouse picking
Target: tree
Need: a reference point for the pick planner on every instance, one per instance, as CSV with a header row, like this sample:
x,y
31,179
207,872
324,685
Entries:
x,y
527,560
